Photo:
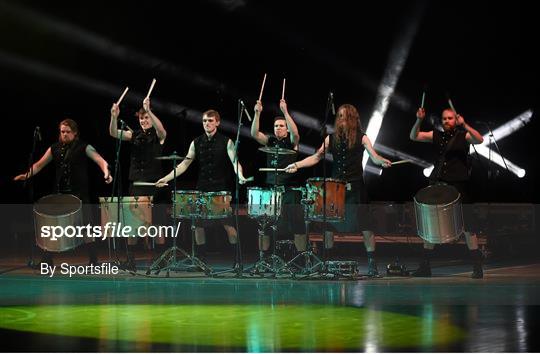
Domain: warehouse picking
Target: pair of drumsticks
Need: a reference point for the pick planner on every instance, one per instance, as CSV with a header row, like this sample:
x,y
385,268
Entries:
x,y
127,89
262,88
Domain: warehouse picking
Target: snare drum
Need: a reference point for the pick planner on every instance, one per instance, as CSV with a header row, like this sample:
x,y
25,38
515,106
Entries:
x,y
264,202
439,216
335,199
58,210
216,205
134,212
187,204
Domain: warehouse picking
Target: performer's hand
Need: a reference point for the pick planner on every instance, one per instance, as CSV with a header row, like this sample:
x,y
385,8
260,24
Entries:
x,y
459,120
21,177
283,106
161,182
421,113
385,163
243,180
108,178
258,106
146,104
292,168
115,110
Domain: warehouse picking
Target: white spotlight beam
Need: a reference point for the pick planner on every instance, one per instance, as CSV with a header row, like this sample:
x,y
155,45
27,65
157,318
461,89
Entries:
x,y
510,127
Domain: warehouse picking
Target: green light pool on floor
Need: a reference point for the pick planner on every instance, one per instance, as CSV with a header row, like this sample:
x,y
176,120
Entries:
x,y
254,327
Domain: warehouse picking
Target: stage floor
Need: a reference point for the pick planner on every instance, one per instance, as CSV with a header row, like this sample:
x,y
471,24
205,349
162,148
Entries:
x,y
189,312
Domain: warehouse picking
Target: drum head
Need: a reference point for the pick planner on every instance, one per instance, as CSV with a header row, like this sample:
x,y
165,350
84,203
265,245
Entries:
x,y
57,205
437,194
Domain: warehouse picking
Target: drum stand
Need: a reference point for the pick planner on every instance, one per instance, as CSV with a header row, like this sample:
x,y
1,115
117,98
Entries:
x,y
272,265
313,264
168,260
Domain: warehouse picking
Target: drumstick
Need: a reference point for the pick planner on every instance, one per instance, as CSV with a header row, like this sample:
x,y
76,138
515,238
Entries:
x,y
270,169
451,105
151,88
400,162
283,90
137,183
423,99
262,87
122,97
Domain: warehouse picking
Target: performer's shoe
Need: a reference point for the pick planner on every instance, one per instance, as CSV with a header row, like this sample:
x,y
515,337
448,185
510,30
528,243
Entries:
x,y
373,272
47,258
478,271
423,271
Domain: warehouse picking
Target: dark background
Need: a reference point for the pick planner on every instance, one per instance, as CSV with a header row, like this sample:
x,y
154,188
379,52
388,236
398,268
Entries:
x,y
73,59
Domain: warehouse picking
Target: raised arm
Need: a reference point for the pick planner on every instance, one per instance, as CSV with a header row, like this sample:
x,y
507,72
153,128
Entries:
x,y
416,134
231,151
36,167
180,169
156,123
255,133
472,135
376,158
291,125
113,125
100,161
310,160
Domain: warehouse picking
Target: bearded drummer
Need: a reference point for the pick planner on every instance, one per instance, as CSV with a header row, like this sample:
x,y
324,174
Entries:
x,y
70,155
212,150
347,145
146,145
451,167
285,136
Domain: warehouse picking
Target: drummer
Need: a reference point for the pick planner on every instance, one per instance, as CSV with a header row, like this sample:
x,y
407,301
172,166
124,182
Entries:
x,y
452,150
212,149
69,155
347,145
285,137
147,144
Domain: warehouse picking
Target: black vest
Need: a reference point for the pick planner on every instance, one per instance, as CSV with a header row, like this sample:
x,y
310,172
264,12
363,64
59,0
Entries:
x,y
144,150
71,165
454,165
347,164
214,163
283,178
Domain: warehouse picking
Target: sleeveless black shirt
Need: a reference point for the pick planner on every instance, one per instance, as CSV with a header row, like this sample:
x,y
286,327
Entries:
x,y
144,150
214,163
347,164
71,165
283,178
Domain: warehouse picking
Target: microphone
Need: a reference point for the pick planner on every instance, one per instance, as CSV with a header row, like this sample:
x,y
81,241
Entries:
x,y
332,103
244,108
38,133
125,125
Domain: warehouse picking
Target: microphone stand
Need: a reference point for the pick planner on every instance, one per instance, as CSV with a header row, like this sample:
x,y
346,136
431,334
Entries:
x,y
29,182
329,104
117,188
239,271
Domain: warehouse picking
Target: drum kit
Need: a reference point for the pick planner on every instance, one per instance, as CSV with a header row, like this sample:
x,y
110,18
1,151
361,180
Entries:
x,y
438,210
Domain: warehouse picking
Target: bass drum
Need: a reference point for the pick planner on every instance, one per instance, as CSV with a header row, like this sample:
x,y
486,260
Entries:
x,y
60,210
439,215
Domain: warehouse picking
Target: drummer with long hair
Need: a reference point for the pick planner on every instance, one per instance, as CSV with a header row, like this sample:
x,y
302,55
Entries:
x,y
347,145
70,155
451,167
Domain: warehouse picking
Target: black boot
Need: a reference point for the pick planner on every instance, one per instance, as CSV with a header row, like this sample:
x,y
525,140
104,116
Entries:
x,y
92,253
372,265
130,264
47,257
477,260
424,269
236,259
200,252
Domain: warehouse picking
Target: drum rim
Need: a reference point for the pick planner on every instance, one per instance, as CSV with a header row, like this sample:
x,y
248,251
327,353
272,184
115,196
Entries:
x,y
79,209
320,179
216,193
455,201
187,191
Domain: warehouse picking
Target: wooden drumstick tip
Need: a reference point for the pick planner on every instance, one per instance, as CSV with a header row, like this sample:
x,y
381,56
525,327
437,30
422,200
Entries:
x,y
283,90
262,87
151,88
122,96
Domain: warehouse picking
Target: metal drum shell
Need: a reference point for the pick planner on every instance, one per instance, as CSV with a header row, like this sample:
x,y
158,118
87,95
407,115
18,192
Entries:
x,y
216,205
439,223
263,209
335,199
71,218
186,203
